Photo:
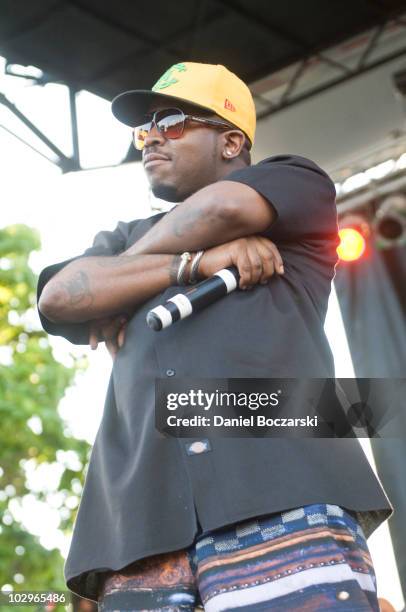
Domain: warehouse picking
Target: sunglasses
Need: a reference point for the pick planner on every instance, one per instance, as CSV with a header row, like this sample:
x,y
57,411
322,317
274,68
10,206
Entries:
x,y
170,123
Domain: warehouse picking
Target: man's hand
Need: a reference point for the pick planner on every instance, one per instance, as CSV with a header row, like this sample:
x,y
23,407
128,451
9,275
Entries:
x,y
111,330
256,258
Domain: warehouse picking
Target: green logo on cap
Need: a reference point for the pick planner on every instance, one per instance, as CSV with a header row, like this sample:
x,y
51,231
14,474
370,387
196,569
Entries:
x,y
167,79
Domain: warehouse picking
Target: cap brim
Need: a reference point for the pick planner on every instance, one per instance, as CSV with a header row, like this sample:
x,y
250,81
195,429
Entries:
x,y
130,107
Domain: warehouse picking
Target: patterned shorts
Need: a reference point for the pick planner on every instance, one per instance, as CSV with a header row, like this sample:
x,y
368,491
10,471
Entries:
x,y
311,558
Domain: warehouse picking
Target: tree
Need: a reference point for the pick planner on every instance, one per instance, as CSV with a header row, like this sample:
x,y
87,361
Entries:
x,y
32,433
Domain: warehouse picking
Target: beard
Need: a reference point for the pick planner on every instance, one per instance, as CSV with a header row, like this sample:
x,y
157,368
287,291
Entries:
x,y
169,193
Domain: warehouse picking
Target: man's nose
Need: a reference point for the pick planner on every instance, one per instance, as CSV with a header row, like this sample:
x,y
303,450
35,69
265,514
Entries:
x,y
154,136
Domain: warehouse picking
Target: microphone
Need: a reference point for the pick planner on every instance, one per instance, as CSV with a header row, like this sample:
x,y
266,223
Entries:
x,y
198,297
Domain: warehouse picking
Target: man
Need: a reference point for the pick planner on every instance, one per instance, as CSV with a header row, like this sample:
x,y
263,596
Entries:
x,y
230,523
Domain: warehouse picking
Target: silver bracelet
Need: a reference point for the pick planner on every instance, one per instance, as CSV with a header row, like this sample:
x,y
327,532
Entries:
x,y
185,258
194,267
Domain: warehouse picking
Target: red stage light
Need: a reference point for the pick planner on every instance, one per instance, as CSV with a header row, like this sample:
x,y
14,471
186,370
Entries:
x,y
352,244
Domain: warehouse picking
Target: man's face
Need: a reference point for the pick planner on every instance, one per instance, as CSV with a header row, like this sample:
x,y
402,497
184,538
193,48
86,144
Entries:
x,y
187,163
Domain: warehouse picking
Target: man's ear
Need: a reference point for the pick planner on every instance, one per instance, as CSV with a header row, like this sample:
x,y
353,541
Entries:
x,y
232,142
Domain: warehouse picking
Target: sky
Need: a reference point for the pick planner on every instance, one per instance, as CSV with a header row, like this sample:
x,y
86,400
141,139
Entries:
x,y
68,210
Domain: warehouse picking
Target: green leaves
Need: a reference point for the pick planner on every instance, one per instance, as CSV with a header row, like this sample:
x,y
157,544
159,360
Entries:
x,y
32,383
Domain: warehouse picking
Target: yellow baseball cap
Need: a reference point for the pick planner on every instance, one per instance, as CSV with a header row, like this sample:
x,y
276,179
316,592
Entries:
x,y
207,86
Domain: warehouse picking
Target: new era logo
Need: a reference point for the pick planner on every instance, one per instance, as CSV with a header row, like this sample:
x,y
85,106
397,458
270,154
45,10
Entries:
x,y
229,106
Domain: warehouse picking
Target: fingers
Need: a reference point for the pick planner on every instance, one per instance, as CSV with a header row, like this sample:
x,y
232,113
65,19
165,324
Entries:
x,y
276,255
243,264
268,264
96,331
117,341
112,333
272,261
94,337
121,335
257,254
257,260
111,330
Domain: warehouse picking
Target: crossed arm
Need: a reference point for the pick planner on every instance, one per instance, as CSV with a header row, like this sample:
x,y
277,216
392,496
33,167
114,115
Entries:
x,y
95,287
216,214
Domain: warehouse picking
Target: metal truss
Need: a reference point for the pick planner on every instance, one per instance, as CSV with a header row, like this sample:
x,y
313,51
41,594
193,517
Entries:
x,y
289,98
169,47
65,163
372,193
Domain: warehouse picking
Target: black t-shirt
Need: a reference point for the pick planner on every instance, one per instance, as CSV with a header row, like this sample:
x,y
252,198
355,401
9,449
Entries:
x,y
144,493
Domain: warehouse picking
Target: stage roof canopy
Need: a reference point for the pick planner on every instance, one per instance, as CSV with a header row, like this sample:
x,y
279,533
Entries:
x,y
106,47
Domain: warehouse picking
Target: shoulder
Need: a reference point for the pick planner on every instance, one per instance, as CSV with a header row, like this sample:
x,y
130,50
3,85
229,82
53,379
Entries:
x,y
292,175
293,161
293,172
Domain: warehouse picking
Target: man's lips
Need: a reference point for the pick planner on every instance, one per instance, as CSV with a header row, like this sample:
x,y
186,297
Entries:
x,y
153,158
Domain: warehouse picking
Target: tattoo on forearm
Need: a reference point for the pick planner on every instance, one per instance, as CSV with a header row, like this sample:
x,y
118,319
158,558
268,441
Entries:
x,y
188,221
78,290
